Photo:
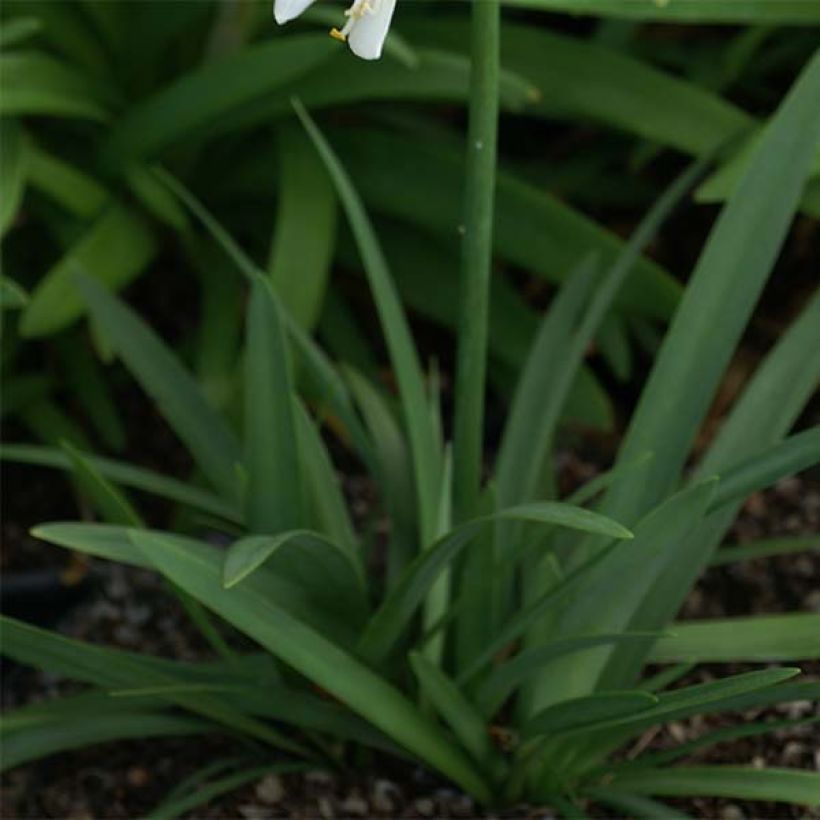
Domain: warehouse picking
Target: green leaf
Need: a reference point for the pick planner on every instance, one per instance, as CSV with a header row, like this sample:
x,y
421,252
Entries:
x,y
398,608
799,452
796,12
18,29
322,376
720,297
311,654
771,403
178,397
735,782
329,507
104,667
587,711
212,93
284,582
539,396
759,638
437,75
78,193
83,374
81,730
36,84
111,504
127,475
393,471
424,267
116,248
633,805
579,79
449,701
766,548
403,353
12,171
249,683
532,229
305,233
12,296
503,680
710,739
170,809
703,698
603,606
565,335
307,556
274,498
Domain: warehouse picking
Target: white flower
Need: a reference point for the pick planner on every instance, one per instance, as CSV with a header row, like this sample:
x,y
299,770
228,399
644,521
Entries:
x,y
366,27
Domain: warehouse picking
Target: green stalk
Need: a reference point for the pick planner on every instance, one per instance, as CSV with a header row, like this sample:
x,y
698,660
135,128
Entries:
x,y
476,258
476,621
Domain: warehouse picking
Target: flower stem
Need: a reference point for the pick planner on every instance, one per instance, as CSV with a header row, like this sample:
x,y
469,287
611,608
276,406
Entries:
x,y
471,363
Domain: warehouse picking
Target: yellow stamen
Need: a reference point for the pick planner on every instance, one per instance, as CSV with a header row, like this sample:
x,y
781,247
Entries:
x,y
337,35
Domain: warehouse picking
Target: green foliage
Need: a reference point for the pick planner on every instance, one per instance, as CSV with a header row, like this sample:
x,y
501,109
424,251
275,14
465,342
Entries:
x,y
503,609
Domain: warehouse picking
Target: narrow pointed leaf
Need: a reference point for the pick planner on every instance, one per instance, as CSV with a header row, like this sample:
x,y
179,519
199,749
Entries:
x,y
756,638
179,398
312,655
735,782
585,712
274,495
396,612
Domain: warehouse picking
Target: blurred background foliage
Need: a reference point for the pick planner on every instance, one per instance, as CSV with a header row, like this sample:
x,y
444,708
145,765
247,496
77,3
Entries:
x,y
599,113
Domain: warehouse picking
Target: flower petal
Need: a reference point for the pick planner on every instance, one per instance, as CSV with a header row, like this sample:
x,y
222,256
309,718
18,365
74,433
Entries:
x,y
285,10
368,35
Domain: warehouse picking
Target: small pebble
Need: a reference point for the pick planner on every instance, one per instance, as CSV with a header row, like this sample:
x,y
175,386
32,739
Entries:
x,y
425,807
356,805
270,789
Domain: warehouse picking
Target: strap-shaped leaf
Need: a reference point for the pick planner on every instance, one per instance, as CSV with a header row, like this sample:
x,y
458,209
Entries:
x,y
129,476
796,12
767,409
111,504
199,98
249,683
396,612
169,809
603,606
531,228
449,701
392,470
796,453
765,548
587,711
12,172
179,398
36,84
84,730
199,573
288,587
307,558
327,501
736,782
305,232
760,638
403,353
117,247
104,667
503,680
720,297
274,498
